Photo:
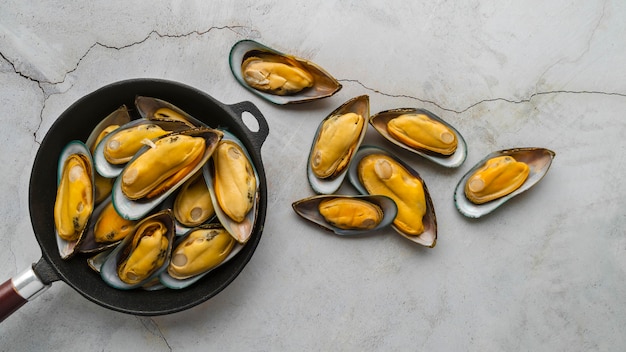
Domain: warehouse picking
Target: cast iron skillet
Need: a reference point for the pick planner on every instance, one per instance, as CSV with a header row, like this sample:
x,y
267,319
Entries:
x,y
76,123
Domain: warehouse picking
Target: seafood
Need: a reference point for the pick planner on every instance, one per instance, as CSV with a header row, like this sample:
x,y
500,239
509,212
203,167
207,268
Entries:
x,y
74,201
193,205
235,182
423,133
162,165
419,131
123,145
145,253
110,226
335,144
498,177
263,73
348,215
380,174
337,138
351,214
160,110
201,250
494,185
277,77
376,171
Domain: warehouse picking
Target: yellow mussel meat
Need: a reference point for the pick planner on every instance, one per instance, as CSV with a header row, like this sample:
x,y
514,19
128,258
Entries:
x,y
145,254
350,214
335,144
202,250
193,205
124,144
160,167
111,227
74,200
382,175
235,183
275,77
498,177
421,132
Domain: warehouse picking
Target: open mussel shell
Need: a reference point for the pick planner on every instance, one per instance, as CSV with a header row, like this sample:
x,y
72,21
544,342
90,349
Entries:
x,y
170,282
358,105
109,170
308,209
89,244
108,268
324,85
241,231
428,237
137,209
160,110
68,248
538,160
118,118
379,122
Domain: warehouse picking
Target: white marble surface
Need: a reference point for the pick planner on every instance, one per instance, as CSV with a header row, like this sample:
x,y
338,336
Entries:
x,y
545,272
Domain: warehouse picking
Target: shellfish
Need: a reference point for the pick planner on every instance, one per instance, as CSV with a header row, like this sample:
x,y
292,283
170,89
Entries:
x,y
75,196
376,171
422,132
336,140
240,230
150,177
160,110
468,196
142,255
277,77
348,215
193,205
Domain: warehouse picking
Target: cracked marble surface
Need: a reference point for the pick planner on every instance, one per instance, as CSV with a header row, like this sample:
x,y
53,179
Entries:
x,y
545,272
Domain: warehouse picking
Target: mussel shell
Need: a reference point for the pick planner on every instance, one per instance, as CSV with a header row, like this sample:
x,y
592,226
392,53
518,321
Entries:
x,y
379,122
148,106
324,85
108,269
108,170
241,231
168,281
181,228
358,105
68,248
89,244
118,117
137,209
308,209
539,161
428,238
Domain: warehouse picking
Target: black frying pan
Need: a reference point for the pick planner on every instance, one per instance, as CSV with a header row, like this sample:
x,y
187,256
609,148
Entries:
x,y
77,122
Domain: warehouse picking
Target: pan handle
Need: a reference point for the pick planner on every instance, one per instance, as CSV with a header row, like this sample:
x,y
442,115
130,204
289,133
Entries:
x,y
258,136
25,286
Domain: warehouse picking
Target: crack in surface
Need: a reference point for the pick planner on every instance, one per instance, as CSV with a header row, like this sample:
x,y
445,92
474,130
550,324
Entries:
x,y
519,101
153,328
152,33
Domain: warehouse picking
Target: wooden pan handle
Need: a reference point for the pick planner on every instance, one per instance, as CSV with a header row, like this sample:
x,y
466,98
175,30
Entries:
x,y
16,291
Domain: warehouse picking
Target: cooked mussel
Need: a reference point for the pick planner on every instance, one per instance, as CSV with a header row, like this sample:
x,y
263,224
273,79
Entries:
x,y
122,144
377,172
193,205
278,77
142,255
201,250
159,169
336,140
500,176
347,215
198,252
422,132
235,189
160,110
74,201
